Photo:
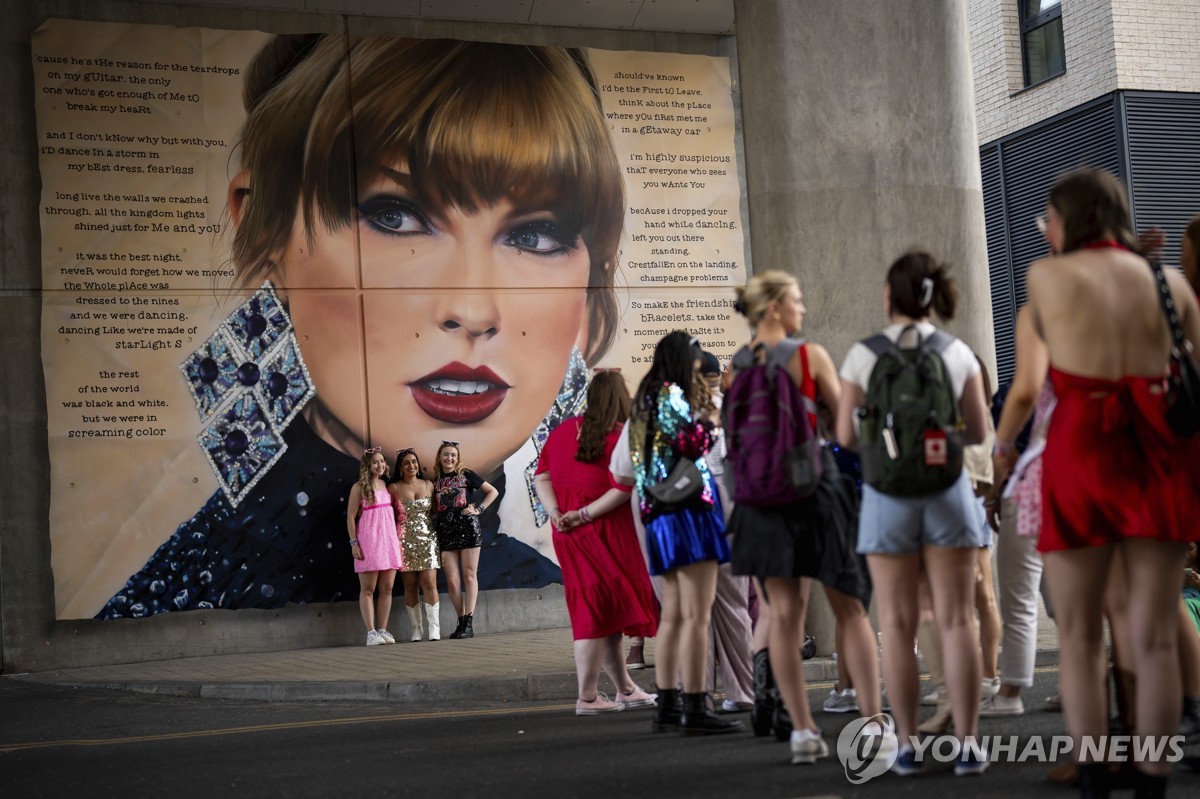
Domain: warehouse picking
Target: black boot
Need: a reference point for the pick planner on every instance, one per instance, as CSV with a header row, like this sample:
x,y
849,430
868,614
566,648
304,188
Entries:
x,y
459,629
1095,781
764,697
1190,725
667,711
781,720
1149,787
468,628
697,719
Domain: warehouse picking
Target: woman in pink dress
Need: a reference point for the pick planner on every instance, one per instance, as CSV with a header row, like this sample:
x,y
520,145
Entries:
x,y
607,585
374,543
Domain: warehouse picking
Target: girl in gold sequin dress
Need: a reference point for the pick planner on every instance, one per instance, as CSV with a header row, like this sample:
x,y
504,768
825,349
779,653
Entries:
x,y
418,544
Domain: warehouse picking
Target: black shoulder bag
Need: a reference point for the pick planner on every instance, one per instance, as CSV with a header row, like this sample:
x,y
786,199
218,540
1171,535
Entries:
x,y
1183,375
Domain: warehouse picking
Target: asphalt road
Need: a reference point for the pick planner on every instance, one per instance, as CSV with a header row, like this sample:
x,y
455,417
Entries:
x,y
64,742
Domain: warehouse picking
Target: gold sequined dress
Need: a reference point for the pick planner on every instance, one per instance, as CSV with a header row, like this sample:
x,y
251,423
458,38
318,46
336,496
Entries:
x,y
418,542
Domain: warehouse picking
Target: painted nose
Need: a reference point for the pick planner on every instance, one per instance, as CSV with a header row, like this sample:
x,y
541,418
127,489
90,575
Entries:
x,y
469,305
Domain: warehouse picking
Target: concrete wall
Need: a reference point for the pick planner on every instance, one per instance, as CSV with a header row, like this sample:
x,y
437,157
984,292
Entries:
x,y
861,144
30,637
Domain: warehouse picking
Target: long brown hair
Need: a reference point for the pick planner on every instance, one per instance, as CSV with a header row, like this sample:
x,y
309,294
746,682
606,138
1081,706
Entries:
x,y
608,404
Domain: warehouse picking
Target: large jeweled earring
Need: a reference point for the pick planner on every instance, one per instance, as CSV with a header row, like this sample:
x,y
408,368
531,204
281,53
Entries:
x,y
248,381
571,399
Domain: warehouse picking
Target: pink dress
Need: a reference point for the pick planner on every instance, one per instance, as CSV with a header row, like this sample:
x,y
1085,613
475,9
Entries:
x,y
605,580
377,536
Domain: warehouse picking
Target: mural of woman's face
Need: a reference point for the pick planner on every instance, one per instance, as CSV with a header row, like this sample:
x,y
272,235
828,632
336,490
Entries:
x,y
468,318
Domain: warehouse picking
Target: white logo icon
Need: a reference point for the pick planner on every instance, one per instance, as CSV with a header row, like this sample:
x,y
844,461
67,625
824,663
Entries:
x,y
867,747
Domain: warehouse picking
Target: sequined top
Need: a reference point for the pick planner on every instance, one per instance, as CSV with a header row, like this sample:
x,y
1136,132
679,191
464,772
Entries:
x,y
659,436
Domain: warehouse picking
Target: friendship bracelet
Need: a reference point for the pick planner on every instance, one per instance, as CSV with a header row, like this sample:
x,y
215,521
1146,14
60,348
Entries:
x,y
583,514
1004,449
353,542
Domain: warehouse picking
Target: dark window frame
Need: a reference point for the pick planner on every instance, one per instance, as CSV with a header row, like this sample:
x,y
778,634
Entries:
x,y
1039,20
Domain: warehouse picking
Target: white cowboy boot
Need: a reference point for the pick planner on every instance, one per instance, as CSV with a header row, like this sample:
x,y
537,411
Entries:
x,y
414,616
434,621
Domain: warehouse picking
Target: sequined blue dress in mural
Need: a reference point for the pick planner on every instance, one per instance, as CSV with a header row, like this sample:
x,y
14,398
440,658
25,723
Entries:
x,y
274,532
661,434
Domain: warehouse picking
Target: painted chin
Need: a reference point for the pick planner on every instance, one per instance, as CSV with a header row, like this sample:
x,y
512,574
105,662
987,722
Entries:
x,y
458,394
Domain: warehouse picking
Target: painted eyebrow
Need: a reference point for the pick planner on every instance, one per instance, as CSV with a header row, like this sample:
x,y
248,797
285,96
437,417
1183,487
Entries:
x,y
404,181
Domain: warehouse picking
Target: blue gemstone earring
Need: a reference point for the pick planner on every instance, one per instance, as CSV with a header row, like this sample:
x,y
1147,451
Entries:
x,y
571,399
248,381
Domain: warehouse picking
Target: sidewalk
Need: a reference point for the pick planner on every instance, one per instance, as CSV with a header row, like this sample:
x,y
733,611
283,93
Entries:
x,y
510,667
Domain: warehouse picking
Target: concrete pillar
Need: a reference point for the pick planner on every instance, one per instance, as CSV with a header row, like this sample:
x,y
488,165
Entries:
x,y
859,125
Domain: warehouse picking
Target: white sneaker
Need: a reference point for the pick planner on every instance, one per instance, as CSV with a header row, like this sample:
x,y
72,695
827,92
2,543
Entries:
x,y
930,698
989,687
807,746
997,705
373,638
841,701
387,637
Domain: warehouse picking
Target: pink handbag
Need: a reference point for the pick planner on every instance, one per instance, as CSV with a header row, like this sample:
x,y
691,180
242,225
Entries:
x,y
1028,496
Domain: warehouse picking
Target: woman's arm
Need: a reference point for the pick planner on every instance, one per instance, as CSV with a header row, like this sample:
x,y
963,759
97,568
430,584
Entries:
x,y
544,486
824,374
607,502
851,398
489,496
1033,361
974,411
352,504
398,504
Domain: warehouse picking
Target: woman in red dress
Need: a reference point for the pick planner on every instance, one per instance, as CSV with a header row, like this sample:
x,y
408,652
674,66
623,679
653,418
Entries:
x,y
1117,480
607,585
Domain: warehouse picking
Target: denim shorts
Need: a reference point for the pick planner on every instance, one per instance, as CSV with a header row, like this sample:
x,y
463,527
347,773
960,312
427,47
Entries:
x,y
890,525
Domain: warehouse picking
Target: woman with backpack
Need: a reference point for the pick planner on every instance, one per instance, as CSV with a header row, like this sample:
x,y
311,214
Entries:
x,y
784,545
912,397
670,430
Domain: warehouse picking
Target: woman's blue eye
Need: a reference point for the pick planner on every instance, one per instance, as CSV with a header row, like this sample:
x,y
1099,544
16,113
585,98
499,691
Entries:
x,y
543,237
394,215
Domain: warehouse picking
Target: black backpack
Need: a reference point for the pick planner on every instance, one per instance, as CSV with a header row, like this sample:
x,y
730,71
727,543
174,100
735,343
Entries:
x,y
910,430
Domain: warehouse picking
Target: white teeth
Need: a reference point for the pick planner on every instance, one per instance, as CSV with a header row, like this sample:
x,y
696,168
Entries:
x,y
462,387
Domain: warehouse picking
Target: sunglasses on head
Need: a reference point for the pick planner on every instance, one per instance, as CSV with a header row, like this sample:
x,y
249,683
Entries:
x,y
372,450
449,443
400,453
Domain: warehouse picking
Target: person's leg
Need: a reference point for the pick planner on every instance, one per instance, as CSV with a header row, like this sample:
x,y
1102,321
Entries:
x,y
433,604
1076,579
1019,567
789,603
1116,603
989,614
613,663
952,582
383,600
366,598
731,637
411,581
450,567
895,580
1153,635
470,576
589,653
697,586
856,651
1189,669
666,655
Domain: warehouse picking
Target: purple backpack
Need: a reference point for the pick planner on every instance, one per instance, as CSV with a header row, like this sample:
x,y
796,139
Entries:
x,y
774,454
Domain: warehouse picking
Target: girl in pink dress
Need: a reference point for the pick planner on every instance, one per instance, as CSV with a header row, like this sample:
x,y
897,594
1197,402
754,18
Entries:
x,y
375,544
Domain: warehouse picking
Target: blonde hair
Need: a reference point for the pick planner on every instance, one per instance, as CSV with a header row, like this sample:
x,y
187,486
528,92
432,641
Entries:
x,y
760,291
473,122
366,481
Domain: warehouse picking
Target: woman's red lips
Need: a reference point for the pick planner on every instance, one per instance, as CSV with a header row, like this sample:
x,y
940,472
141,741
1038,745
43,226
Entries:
x,y
459,394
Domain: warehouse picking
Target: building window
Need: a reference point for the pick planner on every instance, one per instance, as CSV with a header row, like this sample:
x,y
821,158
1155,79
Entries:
x,y
1042,40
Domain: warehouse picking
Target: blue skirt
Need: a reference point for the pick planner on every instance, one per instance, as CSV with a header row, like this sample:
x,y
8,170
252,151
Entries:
x,y
686,536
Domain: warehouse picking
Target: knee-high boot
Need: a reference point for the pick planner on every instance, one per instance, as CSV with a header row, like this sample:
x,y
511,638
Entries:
x,y
433,621
764,694
414,618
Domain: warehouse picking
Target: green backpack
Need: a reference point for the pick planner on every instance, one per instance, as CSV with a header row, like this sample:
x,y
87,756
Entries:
x,y
910,431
